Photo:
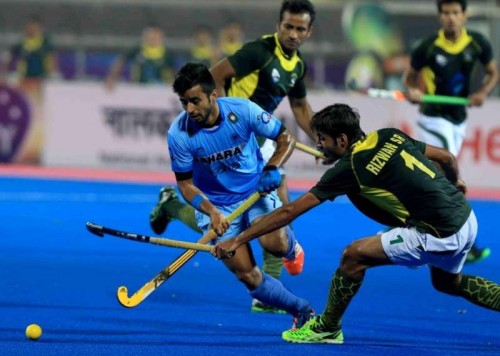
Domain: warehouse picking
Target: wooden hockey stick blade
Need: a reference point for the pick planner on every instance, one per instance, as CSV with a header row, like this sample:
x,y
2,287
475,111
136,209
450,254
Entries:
x,y
310,150
142,293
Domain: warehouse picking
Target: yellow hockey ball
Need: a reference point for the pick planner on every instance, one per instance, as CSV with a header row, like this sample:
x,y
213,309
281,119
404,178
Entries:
x,y
33,331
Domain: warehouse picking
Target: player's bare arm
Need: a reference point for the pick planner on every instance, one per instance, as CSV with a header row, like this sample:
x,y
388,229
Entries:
x,y
489,83
448,163
302,112
271,222
222,71
284,148
410,81
190,193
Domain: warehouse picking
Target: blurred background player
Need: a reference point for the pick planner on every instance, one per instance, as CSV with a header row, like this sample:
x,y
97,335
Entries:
x,y
217,164
265,71
445,63
35,61
150,61
230,39
380,57
34,55
203,49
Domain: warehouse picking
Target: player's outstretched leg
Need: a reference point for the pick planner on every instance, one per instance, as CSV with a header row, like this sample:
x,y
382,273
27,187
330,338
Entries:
x,y
293,262
476,290
271,292
480,291
326,328
168,208
272,266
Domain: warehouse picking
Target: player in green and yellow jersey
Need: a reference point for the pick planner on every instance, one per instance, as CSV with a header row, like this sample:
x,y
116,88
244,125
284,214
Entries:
x,y
391,178
445,62
150,61
34,54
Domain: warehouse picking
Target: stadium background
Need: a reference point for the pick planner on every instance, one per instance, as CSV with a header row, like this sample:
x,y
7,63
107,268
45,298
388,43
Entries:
x,y
88,33
82,153
367,41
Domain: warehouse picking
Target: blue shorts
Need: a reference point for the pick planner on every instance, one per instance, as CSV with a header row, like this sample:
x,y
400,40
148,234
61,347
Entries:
x,y
263,206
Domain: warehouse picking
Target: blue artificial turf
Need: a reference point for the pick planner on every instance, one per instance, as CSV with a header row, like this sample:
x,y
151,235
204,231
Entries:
x,y
53,272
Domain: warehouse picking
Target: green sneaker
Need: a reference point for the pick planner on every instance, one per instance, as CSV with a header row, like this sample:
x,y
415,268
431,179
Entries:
x,y
477,254
311,333
159,218
259,307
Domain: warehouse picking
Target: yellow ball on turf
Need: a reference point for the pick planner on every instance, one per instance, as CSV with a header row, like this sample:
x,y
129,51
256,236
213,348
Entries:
x,y
33,332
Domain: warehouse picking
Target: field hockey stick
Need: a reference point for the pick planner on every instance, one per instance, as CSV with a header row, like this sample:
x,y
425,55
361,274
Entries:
x,y
142,293
100,231
426,98
310,150
399,95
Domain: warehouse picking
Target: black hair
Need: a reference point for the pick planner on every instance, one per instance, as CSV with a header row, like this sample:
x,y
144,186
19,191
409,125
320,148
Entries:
x,y
337,119
297,7
191,75
463,3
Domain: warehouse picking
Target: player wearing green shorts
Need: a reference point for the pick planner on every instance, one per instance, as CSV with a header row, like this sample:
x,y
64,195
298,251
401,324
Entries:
x,y
391,178
265,71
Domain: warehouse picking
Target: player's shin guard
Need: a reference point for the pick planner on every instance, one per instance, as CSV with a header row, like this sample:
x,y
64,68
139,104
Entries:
x,y
480,291
273,265
182,212
342,290
272,292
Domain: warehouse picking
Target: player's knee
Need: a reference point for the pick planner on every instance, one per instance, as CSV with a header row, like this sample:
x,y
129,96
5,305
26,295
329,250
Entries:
x,y
276,243
351,258
250,278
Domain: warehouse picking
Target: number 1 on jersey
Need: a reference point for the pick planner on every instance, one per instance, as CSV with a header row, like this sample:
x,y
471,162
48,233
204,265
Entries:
x,y
411,162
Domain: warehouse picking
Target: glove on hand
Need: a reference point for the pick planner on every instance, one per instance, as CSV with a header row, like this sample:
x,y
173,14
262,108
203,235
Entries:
x,y
270,179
